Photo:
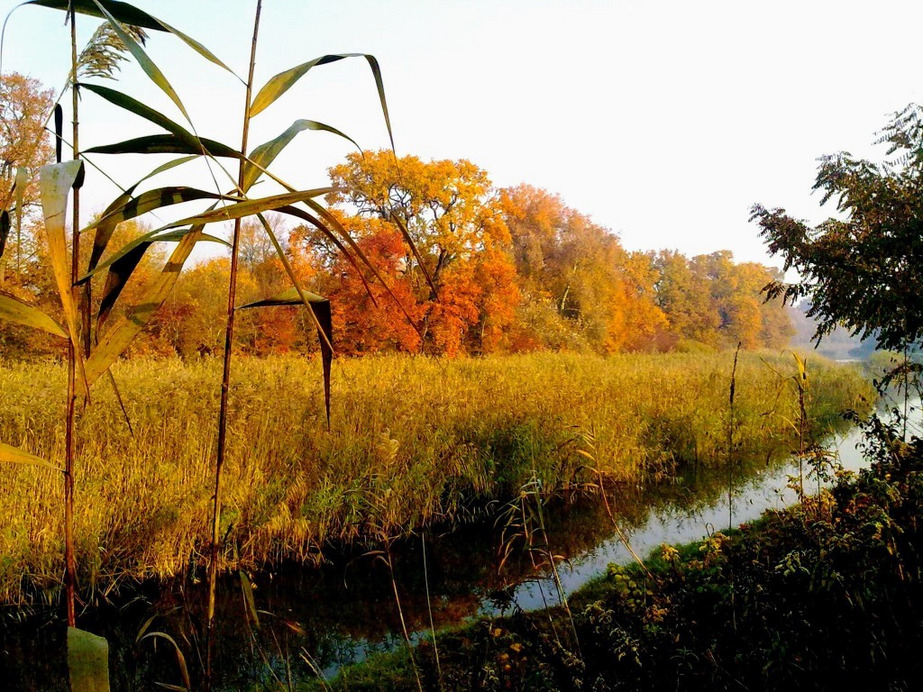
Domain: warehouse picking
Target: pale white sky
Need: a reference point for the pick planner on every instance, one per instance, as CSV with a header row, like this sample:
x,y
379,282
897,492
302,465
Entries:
x,y
664,121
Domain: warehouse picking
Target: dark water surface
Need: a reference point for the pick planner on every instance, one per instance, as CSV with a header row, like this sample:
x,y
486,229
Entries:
x,y
315,620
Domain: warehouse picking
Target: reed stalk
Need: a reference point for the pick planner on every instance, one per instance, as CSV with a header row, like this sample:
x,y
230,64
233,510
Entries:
x,y
70,563
226,370
730,437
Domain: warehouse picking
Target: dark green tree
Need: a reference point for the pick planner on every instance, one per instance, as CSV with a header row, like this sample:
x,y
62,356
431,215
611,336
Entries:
x,y
862,269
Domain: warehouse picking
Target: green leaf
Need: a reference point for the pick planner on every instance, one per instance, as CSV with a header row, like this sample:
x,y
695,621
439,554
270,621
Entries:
x,y
4,229
144,62
125,13
132,105
250,207
121,269
323,318
284,81
15,455
123,331
152,200
166,144
180,659
15,310
247,592
105,230
55,183
87,661
265,154
289,296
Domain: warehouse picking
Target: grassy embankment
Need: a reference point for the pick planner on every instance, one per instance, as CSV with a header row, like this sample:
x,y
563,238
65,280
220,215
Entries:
x,y
413,440
827,595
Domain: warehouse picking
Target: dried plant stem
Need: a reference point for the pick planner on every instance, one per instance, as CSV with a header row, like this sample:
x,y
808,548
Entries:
x,y
732,416
226,374
400,611
429,607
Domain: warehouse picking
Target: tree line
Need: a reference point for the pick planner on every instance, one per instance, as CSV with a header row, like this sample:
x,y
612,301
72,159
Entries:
x,y
488,270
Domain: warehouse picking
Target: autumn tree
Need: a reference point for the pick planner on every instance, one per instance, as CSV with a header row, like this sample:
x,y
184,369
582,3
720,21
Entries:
x,y
366,317
577,270
451,213
448,207
24,147
685,297
712,300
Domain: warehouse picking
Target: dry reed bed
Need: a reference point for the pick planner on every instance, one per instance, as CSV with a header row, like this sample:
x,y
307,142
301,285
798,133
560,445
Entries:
x,y
413,440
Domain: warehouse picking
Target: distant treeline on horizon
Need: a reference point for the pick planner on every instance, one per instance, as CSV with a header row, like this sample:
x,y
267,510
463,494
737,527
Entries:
x,y
503,270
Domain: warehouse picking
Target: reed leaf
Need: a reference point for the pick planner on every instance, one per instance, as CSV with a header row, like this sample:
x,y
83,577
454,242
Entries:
x,y
319,311
151,237
335,223
4,230
105,230
122,11
166,144
17,456
120,270
14,310
265,154
323,318
246,590
144,62
180,659
129,14
58,129
284,81
416,253
290,271
120,335
87,661
117,98
19,191
289,296
153,200
317,223
250,207
56,181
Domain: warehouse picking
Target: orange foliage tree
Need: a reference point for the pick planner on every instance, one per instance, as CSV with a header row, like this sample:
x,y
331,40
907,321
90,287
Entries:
x,y
451,213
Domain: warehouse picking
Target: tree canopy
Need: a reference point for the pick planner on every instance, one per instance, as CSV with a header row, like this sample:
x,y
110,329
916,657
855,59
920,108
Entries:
x,y
861,269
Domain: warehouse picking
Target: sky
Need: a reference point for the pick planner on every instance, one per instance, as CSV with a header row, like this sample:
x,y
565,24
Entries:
x,y
663,121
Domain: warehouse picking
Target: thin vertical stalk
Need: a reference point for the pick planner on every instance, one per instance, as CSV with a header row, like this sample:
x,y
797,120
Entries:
x,y
802,423
226,373
70,564
732,416
400,612
429,607
906,391
731,423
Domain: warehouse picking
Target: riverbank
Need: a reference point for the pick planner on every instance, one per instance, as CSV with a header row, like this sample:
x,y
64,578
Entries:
x,y
414,441
825,595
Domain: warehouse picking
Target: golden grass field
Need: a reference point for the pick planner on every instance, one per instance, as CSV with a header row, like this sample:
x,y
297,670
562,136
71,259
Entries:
x,y
413,440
